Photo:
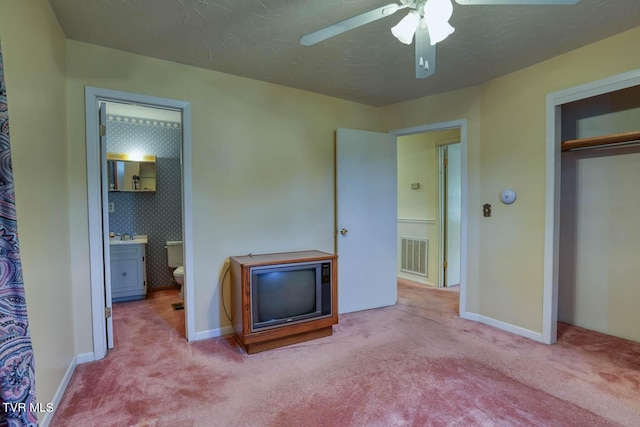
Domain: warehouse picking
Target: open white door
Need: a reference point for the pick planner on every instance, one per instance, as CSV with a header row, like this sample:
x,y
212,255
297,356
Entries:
x,y
105,223
367,212
450,214
454,204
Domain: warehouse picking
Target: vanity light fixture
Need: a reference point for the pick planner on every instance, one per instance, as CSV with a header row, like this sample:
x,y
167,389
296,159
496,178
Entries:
x,y
131,157
136,156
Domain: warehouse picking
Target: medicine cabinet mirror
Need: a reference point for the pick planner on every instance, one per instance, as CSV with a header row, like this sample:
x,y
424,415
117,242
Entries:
x,y
131,173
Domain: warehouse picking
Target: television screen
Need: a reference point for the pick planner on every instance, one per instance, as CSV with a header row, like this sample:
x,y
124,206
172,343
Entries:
x,y
285,294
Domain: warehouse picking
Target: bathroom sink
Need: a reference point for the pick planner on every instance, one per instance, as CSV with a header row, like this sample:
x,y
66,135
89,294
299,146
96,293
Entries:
x,y
137,239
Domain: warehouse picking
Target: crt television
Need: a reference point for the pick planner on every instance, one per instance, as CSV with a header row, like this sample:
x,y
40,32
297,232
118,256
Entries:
x,y
284,294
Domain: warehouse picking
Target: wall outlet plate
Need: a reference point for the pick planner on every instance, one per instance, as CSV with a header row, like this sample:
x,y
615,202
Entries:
x,y
111,207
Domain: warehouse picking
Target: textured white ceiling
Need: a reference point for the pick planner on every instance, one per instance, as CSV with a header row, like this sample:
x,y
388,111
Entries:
x,y
259,39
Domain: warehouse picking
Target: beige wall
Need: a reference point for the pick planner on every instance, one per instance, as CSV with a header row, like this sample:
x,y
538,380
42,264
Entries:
x,y
33,47
263,165
418,163
506,148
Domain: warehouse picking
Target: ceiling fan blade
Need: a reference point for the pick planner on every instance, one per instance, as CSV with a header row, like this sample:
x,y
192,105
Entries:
x,y
517,2
349,24
425,54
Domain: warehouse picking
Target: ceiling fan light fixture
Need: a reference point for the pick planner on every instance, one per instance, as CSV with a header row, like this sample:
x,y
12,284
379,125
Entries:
x,y
406,28
439,32
390,9
437,14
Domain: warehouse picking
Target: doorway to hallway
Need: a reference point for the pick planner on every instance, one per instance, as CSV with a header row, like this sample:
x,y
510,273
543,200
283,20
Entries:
x,y
429,207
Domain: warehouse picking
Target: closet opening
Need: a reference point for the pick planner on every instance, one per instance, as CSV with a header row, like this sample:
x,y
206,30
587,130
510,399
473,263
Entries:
x,y
599,200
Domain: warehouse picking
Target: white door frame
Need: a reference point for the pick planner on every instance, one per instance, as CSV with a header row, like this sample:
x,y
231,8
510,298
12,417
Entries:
x,y
555,101
96,207
462,125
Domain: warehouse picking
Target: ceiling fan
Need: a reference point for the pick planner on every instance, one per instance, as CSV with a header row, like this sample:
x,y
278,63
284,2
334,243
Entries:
x,y
428,20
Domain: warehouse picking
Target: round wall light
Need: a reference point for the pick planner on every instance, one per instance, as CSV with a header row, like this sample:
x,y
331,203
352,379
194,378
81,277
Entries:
x,y
508,196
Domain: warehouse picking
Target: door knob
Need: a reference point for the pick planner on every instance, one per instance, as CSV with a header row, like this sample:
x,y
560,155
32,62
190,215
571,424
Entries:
x,y
344,231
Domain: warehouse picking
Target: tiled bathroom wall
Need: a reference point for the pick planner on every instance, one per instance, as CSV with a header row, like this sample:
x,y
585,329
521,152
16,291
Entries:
x,y
157,214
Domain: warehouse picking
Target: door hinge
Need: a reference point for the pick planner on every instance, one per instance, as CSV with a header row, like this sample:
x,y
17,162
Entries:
x,y
103,130
444,264
107,312
445,162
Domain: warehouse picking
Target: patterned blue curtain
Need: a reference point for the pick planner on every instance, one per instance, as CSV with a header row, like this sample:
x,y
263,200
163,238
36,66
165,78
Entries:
x,y
17,385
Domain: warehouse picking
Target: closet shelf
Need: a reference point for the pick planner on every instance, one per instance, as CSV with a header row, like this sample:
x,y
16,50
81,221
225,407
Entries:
x,y
595,141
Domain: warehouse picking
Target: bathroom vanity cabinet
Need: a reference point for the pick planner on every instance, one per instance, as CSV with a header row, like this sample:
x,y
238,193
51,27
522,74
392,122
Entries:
x,y
128,271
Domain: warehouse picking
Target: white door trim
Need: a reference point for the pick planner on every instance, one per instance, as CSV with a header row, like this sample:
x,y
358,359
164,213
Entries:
x,y
462,125
441,215
555,100
95,207
102,121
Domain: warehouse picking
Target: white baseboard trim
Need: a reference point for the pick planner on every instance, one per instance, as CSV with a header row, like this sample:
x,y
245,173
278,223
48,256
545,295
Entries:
x,y
85,358
415,278
508,327
214,333
57,397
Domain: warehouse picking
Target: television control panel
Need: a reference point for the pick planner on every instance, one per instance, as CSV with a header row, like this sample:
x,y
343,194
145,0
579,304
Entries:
x,y
326,272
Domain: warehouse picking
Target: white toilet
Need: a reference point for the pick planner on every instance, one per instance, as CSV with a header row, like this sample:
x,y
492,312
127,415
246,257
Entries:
x,y
174,258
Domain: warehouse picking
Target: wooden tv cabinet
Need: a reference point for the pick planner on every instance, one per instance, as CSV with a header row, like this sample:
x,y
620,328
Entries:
x,y
281,335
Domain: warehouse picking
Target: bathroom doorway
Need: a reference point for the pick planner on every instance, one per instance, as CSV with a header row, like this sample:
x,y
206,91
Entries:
x,y
132,213
144,199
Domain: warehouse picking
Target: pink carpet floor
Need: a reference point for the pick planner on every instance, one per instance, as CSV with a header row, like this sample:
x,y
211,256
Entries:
x,y
413,364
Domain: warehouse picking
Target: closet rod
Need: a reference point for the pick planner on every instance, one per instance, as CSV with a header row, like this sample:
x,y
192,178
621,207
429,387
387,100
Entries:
x,y
597,141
